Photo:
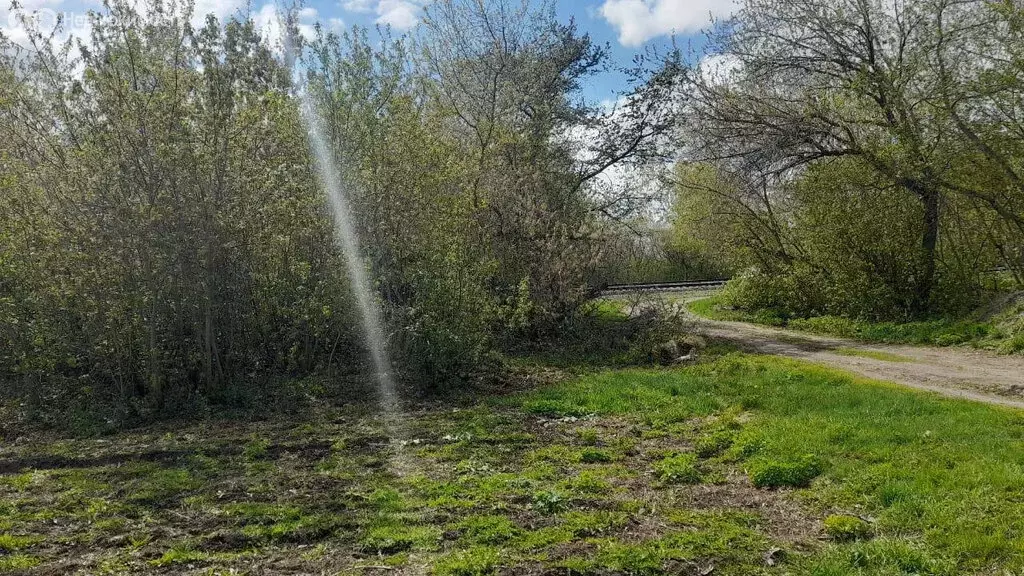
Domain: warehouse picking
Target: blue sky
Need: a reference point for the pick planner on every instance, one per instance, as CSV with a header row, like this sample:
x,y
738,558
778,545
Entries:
x,y
627,26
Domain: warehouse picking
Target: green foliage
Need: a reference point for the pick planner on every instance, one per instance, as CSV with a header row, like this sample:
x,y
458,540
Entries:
x,y
10,543
554,409
391,539
488,529
476,561
591,456
170,251
713,444
798,473
255,449
17,562
549,502
999,332
678,469
846,528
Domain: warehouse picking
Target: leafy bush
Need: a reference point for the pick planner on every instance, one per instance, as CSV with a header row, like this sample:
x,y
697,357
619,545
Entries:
x,y
776,474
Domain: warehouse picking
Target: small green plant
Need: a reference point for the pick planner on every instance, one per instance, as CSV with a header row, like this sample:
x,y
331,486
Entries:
x,y
713,444
10,543
678,469
776,474
549,502
386,540
843,528
587,482
255,449
488,529
591,456
588,436
555,409
18,562
475,561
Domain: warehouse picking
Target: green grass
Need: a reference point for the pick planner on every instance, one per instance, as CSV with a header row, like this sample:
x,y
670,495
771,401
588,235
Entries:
x,y
944,479
656,471
1004,333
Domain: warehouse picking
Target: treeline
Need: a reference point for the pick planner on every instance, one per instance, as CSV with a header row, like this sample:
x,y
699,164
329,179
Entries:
x,y
166,245
858,157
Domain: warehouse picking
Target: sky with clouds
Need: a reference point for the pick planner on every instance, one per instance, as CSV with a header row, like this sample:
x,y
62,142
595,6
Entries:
x,y
627,26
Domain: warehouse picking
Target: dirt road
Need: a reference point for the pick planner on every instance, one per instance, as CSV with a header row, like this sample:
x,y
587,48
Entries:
x,y
956,372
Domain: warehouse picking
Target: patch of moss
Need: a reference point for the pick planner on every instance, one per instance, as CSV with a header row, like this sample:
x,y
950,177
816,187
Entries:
x,y
843,528
798,473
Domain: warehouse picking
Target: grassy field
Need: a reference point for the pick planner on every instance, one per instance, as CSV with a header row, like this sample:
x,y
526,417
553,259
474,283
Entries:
x,y
1002,332
737,465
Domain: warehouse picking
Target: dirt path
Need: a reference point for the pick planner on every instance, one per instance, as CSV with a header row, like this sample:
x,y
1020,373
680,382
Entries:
x,y
956,372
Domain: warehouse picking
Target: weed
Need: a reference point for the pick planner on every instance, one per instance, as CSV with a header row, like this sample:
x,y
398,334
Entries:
x,y
678,469
475,561
391,538
549,502
591,456
488,529
255,449
10,543
18,562
588,436
554,409
785,473
588,482
713,444
842,528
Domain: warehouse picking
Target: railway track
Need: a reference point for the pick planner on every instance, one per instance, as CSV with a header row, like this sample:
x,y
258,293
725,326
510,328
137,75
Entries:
x,y
662,287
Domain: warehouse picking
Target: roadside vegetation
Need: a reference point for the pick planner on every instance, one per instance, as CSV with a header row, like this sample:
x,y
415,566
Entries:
x,y
722,467
1002,331
856,174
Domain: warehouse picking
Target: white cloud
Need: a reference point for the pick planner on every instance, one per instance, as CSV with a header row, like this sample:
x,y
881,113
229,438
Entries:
x,y
399,14
637,21
359,6
222,9
42,15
